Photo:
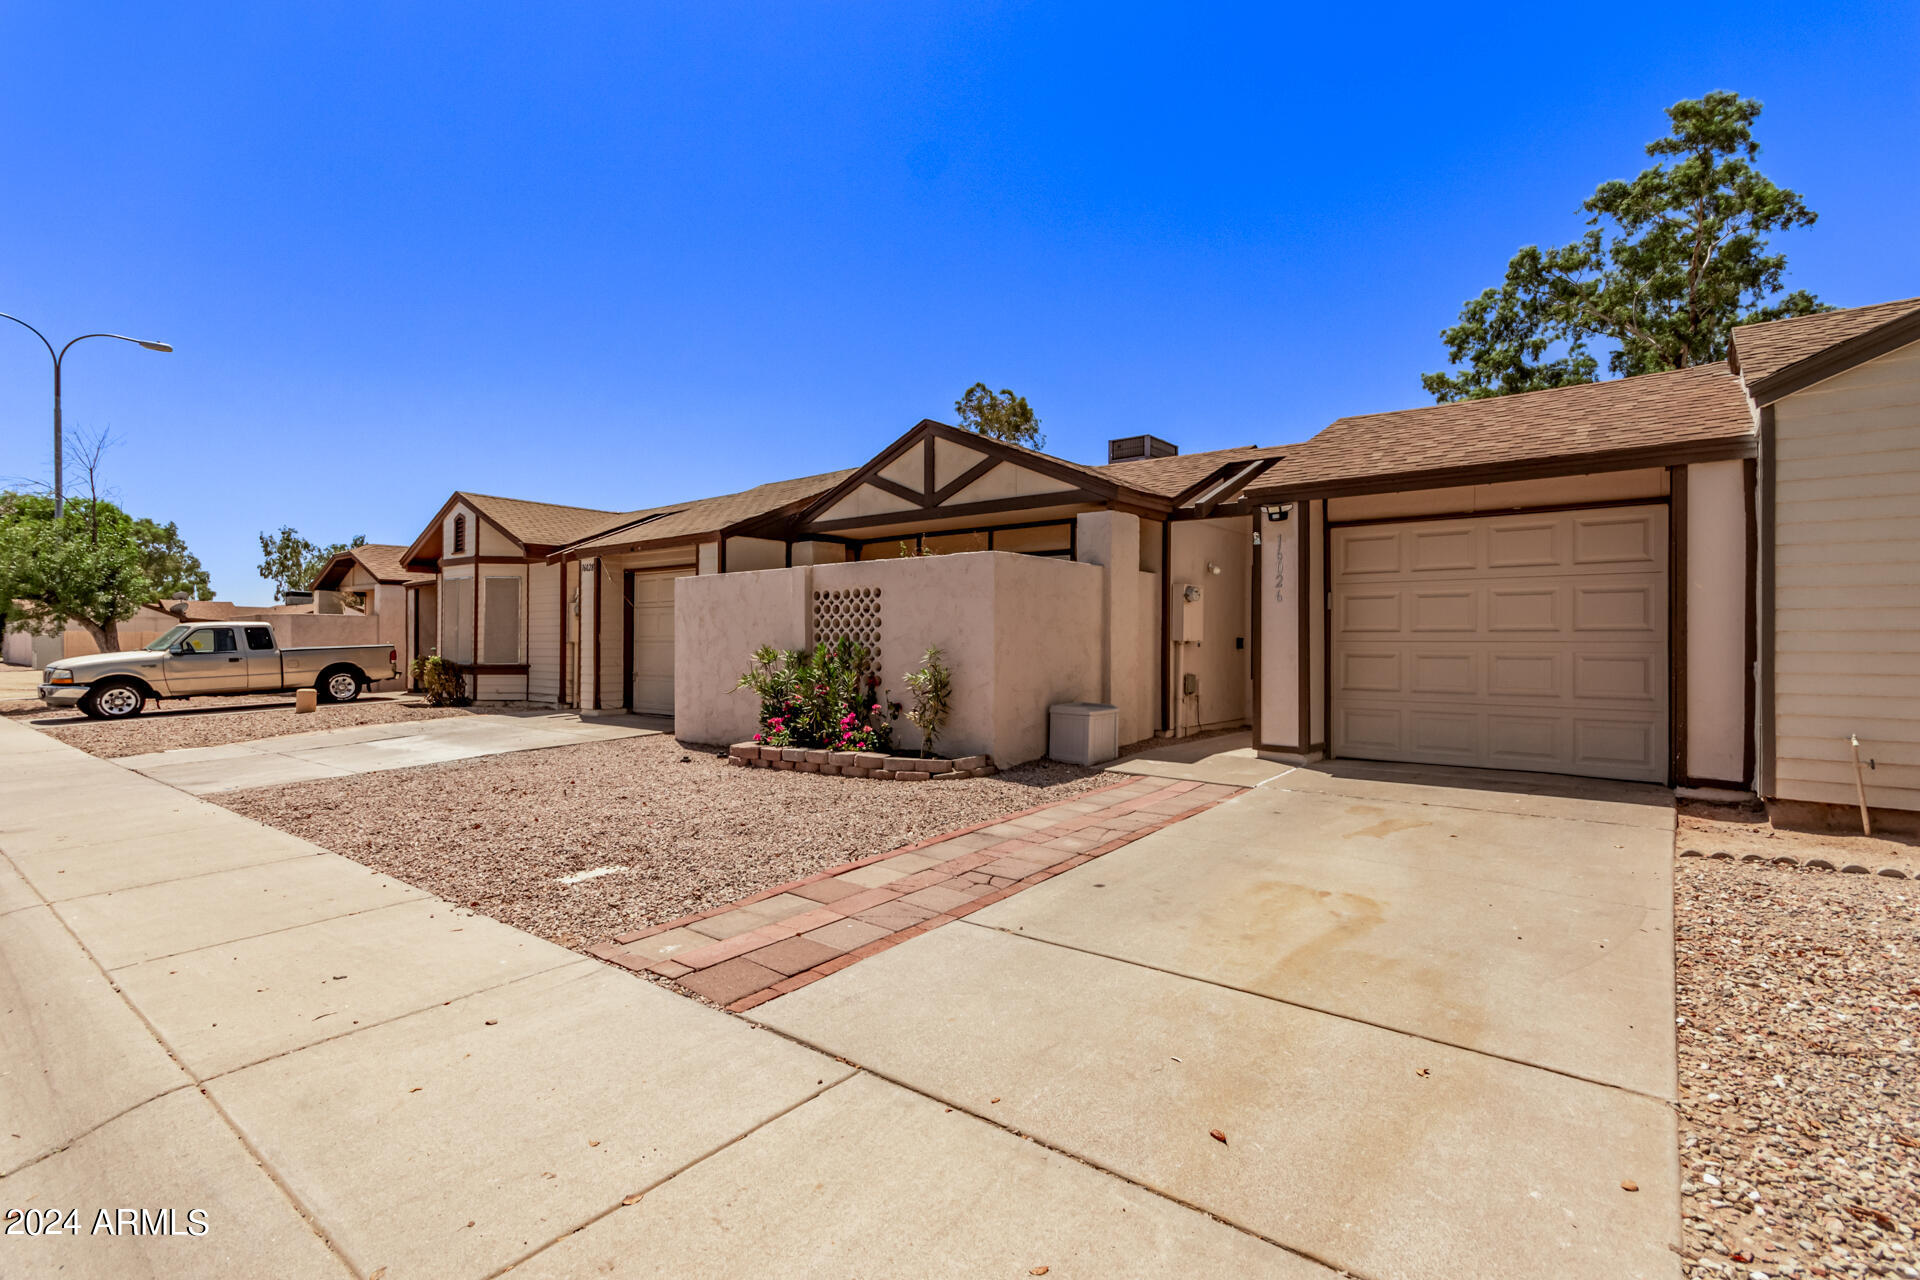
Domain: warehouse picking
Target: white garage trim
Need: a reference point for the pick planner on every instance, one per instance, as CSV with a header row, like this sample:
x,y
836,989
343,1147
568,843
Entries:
x,y
1534,641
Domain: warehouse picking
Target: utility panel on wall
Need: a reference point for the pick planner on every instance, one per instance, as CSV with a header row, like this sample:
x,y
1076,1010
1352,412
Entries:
x,y
1189,615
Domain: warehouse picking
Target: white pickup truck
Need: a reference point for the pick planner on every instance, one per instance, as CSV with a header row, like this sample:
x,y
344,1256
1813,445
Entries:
x,y
205,659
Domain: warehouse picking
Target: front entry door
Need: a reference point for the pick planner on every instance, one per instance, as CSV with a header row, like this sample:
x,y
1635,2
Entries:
x,y
653,641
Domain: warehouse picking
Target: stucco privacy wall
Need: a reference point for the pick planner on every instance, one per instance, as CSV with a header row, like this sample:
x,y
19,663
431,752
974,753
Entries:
x,y
1718,672
1118,541
1019,634
1846,525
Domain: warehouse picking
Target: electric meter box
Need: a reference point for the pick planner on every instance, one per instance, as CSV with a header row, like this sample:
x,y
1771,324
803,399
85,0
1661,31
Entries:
x,y
1189,614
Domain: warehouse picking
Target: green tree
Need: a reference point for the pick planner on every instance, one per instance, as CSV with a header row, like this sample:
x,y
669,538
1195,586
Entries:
x,y
168,564
83,566
1005,416
291,563
1670,262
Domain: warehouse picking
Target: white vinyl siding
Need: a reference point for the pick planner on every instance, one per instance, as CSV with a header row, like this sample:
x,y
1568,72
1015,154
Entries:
x,y
543,633
1847,585
1534,642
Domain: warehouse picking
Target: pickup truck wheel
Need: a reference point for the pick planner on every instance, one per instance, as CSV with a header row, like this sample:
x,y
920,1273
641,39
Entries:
x,y
114,700
339,685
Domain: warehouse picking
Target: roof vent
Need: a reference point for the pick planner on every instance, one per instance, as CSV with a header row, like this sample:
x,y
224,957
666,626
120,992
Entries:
x,y
1139,447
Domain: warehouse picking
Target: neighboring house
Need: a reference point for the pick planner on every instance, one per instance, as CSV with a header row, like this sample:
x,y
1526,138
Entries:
x,y
622,582
1839,528
488,598
1093,606
21,647
374,576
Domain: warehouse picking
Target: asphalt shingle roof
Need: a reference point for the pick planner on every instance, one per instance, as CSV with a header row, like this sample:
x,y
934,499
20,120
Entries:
x,y
544,524
1762,350
705,516
378,559
1686,406
1171,476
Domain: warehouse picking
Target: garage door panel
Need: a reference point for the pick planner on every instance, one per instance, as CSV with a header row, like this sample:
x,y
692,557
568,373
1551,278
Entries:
x,y
653,641
1444,736
1369,553
1445,547
1520,642
1446,672
1363,671
1523,545
1616,607
1627,677
1524,675
1625,746
1514,609
1619,539
1526,742
1371,611
1442,611
1371,730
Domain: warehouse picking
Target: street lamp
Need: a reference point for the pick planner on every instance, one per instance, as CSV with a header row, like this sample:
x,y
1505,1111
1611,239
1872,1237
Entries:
x,y
59,495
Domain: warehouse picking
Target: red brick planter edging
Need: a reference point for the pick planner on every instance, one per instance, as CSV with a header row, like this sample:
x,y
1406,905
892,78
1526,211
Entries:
x,y
850,921
858,764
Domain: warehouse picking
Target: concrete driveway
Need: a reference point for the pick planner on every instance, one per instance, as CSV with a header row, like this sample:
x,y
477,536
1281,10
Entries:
x,y
370,748
1430,1010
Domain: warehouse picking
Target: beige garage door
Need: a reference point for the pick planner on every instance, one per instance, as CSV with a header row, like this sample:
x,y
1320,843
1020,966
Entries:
x,y
653,640
1534,642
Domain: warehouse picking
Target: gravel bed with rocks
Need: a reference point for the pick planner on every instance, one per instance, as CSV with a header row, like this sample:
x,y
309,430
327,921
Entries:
x,y
214,722
1797,991
576,844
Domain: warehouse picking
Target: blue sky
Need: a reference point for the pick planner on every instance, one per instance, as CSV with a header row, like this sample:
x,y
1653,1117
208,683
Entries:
x,y
615,255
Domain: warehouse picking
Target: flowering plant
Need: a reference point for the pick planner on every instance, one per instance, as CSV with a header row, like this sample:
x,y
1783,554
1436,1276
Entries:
x,y
823,697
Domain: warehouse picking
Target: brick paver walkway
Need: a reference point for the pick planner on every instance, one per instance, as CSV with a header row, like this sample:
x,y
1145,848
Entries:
x,y
781,939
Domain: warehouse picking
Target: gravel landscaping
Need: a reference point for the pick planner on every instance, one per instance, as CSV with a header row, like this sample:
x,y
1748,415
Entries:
x,y
213,722
1797,991
578,844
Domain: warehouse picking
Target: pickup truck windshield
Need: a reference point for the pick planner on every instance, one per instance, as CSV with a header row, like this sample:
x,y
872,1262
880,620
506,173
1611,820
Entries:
x,y
165,640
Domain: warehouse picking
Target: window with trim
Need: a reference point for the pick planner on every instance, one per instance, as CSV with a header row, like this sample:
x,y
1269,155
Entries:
x,y
259,638
500,622
459,534
1054,538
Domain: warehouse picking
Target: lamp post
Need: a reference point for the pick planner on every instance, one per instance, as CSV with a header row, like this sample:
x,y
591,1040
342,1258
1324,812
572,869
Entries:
x,y
59,357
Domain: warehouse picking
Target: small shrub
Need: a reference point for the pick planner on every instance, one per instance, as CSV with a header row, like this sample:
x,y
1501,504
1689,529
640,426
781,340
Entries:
x,y
442,681
932,689
823,697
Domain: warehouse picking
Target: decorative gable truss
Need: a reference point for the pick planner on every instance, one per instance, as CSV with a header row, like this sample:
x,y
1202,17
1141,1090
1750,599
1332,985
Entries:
x,y
940,472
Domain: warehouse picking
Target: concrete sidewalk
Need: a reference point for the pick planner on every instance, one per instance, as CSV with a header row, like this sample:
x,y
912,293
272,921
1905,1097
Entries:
x,y
341,753
345,1077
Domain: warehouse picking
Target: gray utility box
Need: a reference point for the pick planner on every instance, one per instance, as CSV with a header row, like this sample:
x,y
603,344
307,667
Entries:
x,y
1083,732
